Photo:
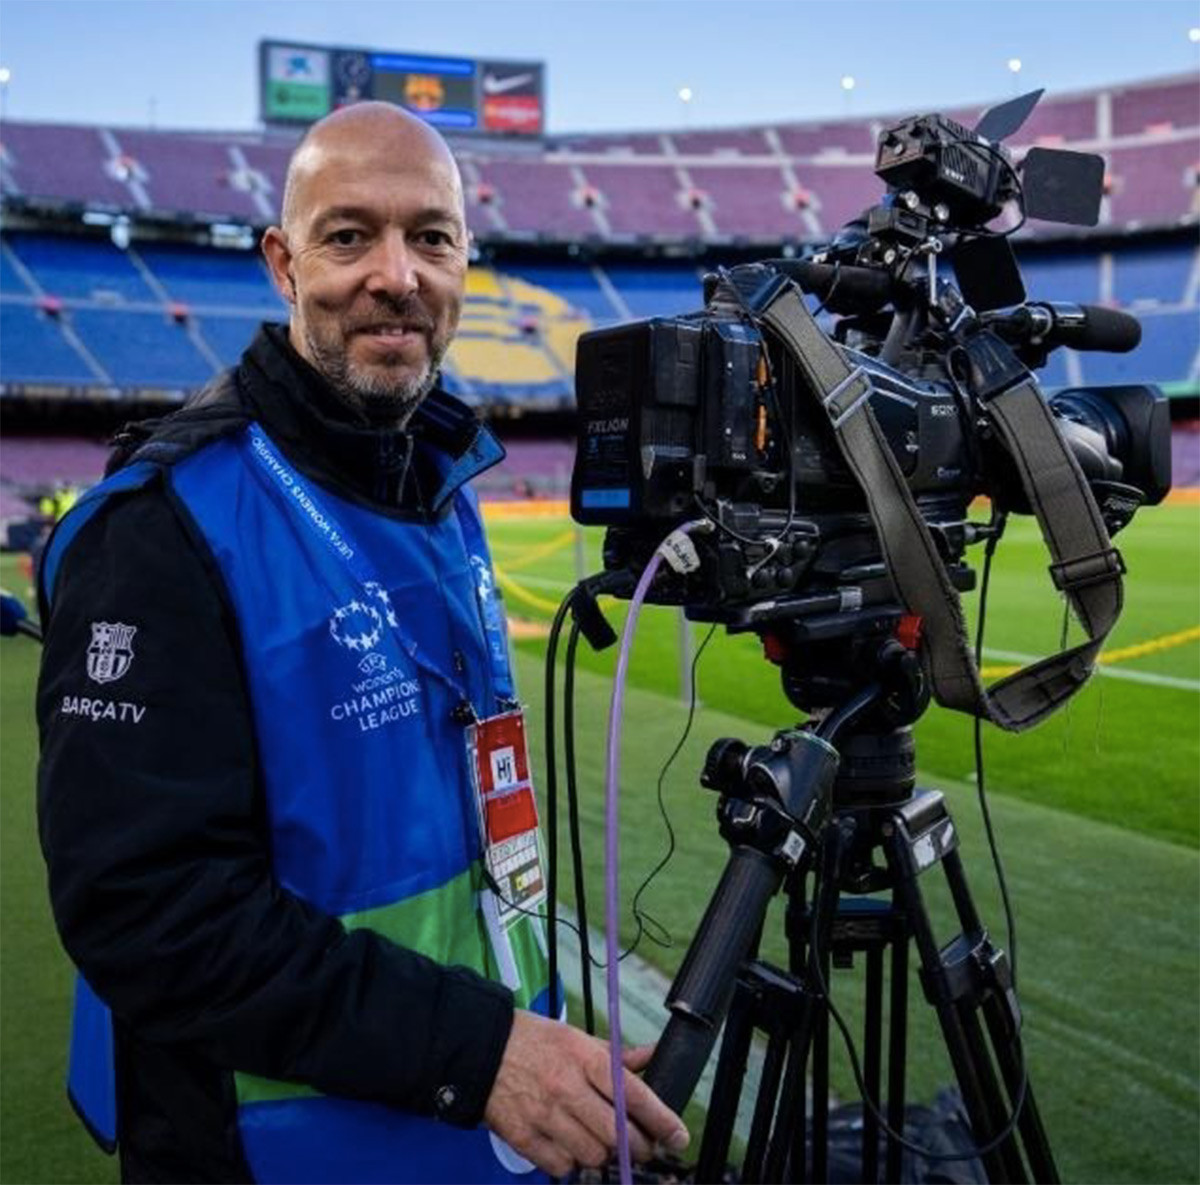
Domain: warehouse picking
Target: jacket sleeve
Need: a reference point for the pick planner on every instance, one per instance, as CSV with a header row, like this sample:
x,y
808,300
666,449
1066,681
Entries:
x,y
152,824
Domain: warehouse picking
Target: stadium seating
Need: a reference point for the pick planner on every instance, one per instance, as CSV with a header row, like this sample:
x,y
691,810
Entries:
x,y
77,311
81,268
1150,133
29,464
35,350
520,321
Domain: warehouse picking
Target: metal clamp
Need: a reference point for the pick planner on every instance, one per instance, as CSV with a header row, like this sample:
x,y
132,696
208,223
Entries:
x,y
838,416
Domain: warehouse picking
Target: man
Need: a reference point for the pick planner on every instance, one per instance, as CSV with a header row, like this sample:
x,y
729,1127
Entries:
x,y
269,633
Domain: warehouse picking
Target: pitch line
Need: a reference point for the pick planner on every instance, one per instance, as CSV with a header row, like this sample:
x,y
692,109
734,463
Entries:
x,y
1107,670
1103,667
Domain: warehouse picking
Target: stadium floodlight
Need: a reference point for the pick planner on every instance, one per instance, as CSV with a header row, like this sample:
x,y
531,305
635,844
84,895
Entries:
x,y
6,74
685,94
1193,36
848,82
1014,64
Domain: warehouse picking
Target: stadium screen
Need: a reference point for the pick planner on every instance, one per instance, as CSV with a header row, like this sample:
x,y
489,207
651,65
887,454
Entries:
x,y
301,83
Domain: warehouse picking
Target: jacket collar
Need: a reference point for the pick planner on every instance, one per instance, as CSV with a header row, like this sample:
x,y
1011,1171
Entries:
x,y
416,469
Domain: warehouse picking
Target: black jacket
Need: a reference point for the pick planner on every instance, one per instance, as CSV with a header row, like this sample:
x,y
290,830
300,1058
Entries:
x,y
155,836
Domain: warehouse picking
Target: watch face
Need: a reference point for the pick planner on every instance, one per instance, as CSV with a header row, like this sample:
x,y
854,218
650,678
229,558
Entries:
x,y
353,70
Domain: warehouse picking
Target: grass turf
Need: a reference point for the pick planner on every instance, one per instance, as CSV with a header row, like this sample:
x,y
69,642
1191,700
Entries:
x,y
1122,752
1106,911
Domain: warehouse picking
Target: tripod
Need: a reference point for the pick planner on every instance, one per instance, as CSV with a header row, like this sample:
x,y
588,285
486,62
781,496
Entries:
x,y
803,814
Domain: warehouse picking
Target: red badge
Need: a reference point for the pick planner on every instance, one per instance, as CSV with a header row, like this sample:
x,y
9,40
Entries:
x,y
507,811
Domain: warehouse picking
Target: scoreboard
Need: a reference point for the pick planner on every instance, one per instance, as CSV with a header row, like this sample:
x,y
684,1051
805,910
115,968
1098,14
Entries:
x,y
301,83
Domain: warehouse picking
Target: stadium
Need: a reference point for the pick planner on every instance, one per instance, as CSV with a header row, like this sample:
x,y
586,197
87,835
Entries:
x,y
130,276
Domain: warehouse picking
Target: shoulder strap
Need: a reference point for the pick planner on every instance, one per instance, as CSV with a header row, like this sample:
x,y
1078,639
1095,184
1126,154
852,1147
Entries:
x,y
1086,567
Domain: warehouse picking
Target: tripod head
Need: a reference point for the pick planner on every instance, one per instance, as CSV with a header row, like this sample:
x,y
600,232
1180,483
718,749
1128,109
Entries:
x,y
862,682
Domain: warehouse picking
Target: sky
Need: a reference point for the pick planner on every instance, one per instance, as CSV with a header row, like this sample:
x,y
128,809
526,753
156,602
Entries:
x,y
612,65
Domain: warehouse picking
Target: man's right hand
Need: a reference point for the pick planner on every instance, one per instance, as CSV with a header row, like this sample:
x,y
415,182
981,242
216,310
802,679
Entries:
x,y
552,1099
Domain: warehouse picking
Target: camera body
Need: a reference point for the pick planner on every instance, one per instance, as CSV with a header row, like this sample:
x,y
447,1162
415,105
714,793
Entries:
x,y
708,414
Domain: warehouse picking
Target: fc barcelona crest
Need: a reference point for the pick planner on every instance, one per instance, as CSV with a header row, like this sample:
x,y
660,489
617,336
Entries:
x,y
111,652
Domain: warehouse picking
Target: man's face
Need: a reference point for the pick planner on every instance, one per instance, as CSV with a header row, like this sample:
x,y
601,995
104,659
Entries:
x,y
373,258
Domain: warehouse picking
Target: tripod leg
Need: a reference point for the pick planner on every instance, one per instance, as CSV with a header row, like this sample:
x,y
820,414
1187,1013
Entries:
x,y
897,1051
1003,1017
960,1025
1002,1027
872,1064
764,1109
727,1087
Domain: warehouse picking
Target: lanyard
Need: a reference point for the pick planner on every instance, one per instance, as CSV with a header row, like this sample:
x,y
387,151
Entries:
x,y
307,507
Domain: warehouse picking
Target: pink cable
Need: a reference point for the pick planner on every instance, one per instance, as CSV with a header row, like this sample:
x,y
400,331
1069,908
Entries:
x,y
611,850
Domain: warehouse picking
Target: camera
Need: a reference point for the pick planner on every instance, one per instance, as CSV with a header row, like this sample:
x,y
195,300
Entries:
x,y
711,415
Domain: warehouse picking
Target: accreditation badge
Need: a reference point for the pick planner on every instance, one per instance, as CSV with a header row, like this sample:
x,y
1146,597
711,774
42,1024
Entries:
x,y
508,819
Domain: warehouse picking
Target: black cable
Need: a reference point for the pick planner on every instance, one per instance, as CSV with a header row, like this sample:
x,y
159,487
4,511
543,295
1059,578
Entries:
x,y
996,153
917,1149
551,809
645,922
585,954
998,523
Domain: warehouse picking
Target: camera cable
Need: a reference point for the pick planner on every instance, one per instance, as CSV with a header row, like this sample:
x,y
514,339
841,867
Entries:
x,y
675,548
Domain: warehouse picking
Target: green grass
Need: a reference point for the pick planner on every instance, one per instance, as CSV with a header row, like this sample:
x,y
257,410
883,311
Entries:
x,y
1122,752
1106,922
1096,812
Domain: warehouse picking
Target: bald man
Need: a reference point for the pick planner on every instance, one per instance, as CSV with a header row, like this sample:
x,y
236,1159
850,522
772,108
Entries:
x,y
272,647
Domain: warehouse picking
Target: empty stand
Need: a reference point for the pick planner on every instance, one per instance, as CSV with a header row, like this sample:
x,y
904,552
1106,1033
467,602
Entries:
x,y
1057,121
727,142
1060,276
1155,184
853,138
11,281
227,336
32,463
62,162
745,206
1168,353
35,350
1156,273
79,268
1138,109
141,349
843,192
577,284
644,200
656,290
188,174
213,278
539,198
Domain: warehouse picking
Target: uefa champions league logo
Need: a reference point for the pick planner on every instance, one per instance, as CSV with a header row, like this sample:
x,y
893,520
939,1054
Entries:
x,y
359,625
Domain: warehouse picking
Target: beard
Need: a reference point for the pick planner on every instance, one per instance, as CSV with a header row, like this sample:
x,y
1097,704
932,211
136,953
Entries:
x,y
386,398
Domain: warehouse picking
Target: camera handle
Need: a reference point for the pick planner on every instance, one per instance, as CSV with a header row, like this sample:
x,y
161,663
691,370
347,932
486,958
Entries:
x,y
775,802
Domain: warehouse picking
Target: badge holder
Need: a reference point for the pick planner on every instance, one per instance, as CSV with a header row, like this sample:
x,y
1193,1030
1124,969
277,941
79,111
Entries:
x,y
507,813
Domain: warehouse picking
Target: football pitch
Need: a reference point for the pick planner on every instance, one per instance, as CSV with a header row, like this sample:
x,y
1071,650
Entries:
x,y
1097,813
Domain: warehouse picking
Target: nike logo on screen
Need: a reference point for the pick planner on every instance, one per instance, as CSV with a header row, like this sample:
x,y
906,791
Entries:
x,y
497,86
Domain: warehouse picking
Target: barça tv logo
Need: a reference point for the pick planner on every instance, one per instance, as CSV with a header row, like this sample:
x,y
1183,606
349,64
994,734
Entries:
x,y
111,652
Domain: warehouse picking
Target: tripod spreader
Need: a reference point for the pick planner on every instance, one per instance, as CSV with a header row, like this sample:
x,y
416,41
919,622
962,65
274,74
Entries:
x,y
775,802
